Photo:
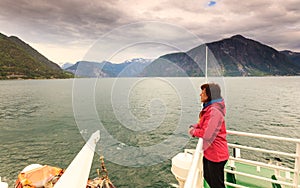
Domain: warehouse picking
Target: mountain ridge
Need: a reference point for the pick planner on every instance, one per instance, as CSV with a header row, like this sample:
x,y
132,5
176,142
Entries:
x,y
129,68
247,57
234,56
293,56
18,60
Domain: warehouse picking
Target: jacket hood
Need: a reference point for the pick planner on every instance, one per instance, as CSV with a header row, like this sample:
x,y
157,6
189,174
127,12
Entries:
x,y
218,103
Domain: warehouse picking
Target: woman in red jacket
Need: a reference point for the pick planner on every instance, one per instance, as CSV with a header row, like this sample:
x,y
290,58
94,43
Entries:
x,y
212,129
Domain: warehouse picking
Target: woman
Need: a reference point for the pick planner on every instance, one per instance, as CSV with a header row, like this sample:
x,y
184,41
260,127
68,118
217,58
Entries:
x,y
212,129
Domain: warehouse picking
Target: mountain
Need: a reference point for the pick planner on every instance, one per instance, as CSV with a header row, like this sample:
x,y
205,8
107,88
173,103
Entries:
x,y
234,56
129,68
294,57
134,67
239,56
173,65
66,65
88,69
19,60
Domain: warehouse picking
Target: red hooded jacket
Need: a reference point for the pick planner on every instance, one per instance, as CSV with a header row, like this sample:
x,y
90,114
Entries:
x,y
211,127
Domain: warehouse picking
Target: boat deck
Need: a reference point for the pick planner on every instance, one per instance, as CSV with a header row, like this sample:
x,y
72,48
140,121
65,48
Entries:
x,y
247,181
242,172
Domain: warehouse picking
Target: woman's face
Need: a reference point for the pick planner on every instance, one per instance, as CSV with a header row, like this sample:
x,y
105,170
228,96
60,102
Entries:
x,y
203,95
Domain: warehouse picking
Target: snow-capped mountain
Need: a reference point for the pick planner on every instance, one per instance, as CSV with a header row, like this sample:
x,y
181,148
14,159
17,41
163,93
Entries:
x,y
129,68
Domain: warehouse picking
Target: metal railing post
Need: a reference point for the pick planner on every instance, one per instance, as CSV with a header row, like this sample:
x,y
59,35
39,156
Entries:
x,y
195,175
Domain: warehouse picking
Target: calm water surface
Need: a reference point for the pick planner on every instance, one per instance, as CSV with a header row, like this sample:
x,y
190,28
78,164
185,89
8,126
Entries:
x,y
41,121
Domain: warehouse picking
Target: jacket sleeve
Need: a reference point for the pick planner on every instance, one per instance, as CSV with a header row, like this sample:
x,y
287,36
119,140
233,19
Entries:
x,y
209,126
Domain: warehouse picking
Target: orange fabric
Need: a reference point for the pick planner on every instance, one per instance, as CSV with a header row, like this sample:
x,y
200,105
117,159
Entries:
x,y
38,177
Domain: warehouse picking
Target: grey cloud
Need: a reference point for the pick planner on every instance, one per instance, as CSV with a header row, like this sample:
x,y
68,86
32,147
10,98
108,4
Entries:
x,y
65,22
62,20
245,7
292,5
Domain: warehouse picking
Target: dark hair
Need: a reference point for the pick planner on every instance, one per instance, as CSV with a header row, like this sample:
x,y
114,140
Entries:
x,y
213,91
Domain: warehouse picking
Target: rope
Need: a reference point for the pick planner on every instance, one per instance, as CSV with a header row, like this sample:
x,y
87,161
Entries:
x,y
103,180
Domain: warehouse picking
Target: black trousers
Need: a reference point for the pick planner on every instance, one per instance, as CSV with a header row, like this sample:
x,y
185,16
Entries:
x,y
214,173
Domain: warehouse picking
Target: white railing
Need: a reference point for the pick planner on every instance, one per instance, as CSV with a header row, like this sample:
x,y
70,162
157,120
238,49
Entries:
x,y
278,170
195,175
77,173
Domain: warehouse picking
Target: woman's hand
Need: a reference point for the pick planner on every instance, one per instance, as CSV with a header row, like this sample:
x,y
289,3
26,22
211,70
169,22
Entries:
x,y
191,131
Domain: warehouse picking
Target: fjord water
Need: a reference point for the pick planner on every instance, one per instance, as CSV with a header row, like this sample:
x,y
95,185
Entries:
x,y
38,125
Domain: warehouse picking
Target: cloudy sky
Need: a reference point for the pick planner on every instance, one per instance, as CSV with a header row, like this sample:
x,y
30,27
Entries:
x,y
116,30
